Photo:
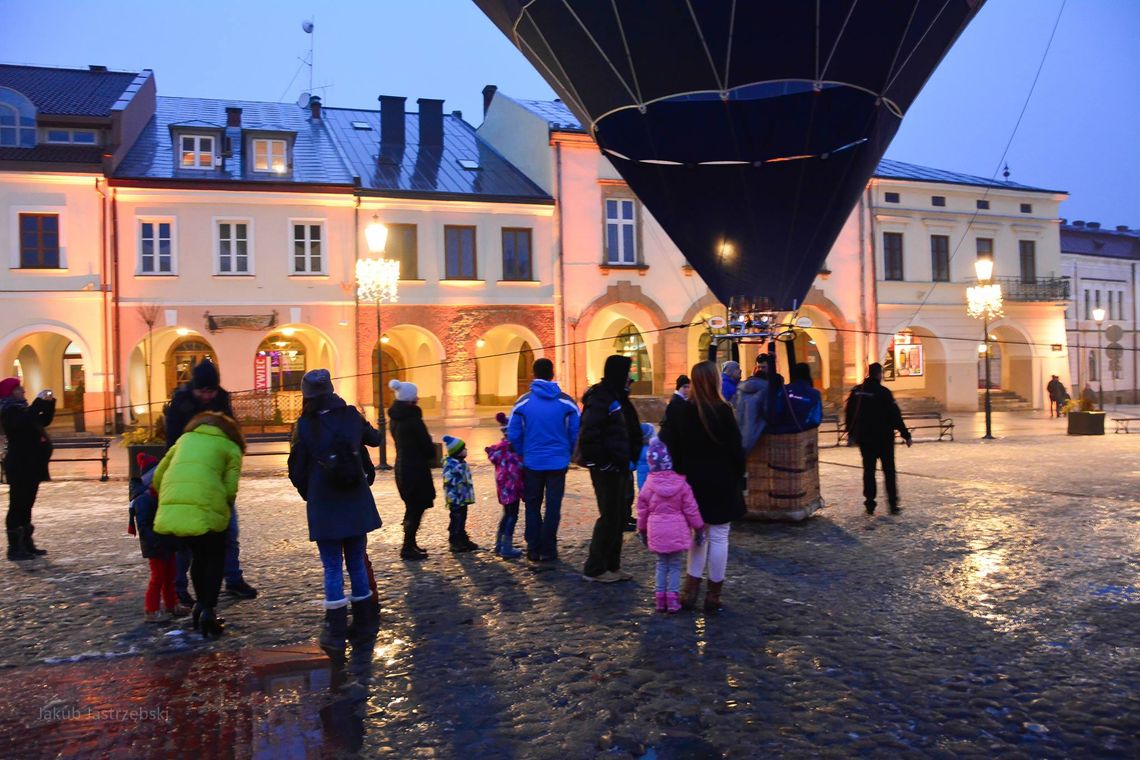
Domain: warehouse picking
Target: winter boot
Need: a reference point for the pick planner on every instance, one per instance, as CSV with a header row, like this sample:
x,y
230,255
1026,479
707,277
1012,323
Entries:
x,y
689,591
17,552
659,598
672,602
365,619
712,596
410,551
335,631
210,624
504,547
30,545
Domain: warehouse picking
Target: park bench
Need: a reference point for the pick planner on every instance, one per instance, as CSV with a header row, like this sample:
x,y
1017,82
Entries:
x,y
89,443
284,438
1122,423
914,421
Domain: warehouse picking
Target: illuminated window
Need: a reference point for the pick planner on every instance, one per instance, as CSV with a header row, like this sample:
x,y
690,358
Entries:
x,y
283,360
269,156
403,247
197,152
630,343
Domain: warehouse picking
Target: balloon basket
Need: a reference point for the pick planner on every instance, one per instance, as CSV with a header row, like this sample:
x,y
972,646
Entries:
x,y
783,477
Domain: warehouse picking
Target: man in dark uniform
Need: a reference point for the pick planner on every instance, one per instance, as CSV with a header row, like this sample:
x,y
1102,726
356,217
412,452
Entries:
x,y
872,419
204,393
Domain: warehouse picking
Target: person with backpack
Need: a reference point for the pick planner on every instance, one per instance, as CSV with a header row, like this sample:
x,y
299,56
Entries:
x,y
872,418
803,404
197,482
415,452
327,467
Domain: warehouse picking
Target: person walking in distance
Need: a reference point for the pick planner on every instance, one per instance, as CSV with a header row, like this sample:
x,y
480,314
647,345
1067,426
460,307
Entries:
x,y
415,452
543,429
25,461
872,419
1056,391
204,393
706,448
604,447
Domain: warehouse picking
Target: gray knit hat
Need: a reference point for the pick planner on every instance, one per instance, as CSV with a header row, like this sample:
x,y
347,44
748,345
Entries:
x,y
404,391
316,383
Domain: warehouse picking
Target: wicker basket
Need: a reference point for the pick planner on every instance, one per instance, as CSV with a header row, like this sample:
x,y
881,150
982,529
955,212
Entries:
x,y
783,477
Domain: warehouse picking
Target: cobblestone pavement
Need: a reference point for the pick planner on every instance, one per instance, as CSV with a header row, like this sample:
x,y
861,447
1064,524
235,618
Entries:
x,y
999,614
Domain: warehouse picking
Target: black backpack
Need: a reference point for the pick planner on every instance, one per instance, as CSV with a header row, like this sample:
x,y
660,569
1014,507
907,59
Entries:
x,y
341,463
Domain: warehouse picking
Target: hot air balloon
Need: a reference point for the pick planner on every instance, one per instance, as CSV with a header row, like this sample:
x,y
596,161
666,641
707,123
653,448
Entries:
x,y
748,128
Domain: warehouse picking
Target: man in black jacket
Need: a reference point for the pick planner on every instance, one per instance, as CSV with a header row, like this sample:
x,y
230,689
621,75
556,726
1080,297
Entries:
x,y
25,461
872,419
204,393
606,441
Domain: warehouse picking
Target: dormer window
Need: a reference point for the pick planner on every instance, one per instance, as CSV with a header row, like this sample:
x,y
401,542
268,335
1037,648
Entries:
x,y
270,156
17,120
197,152
71,136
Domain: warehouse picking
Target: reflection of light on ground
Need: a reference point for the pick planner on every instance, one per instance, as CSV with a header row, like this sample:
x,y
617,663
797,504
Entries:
x,y
387,653
699,624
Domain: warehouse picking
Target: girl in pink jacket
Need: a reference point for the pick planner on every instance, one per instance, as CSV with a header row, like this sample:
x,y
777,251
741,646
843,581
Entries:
x,y
666,516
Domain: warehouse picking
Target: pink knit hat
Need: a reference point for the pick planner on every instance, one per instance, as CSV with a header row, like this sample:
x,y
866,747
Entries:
x,y
7,385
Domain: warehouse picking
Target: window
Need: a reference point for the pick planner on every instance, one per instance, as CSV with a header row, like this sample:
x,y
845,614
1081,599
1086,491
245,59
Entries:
x,y
1097,298
233,248
39,241
1120,304
72,136
630,343
892,256
940,258
362,125
983,205
197,152
469,164
891,197
516,254
1027,208
402,246
621,232
938,200
1028,252
1088,306
17,121
156,252
459,251
308,247
279,364
269,156
1093,366
985,248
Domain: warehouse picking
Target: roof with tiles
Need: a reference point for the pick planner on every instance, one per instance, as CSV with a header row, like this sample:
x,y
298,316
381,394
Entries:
x,y
1082,240
55,154
559,118
315,157
67,92
418,170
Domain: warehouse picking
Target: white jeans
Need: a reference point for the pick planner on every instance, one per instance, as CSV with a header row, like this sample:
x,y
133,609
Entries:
x,y
714,552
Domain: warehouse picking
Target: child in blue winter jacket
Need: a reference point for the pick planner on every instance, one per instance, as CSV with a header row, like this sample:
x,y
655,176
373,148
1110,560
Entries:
x,y
161,601
459,492
647,435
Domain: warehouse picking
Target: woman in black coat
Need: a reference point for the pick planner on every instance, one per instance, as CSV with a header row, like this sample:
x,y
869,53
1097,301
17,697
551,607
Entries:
x,y
25,461
704,441
327,467
415,452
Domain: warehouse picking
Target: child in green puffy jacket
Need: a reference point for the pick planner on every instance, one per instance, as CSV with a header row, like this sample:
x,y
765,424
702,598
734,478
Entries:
x,y
197,482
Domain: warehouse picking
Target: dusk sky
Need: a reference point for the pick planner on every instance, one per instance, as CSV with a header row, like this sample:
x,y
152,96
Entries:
x,y
1079,132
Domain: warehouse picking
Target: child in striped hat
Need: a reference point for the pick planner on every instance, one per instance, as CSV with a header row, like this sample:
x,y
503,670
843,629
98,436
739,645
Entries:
x,y
459,492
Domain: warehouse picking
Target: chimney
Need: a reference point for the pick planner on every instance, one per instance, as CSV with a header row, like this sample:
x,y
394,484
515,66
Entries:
x,y
488,95
315,107
458,115
392,119
97,68
1093,225
233,116
431,121
1078,223
1122,228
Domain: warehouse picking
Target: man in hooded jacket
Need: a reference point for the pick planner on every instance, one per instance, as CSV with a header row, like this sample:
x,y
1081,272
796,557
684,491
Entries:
x,y
609,441
542,430
872,417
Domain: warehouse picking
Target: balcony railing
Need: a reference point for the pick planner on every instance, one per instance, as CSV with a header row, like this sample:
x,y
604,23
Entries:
x,y
1043,289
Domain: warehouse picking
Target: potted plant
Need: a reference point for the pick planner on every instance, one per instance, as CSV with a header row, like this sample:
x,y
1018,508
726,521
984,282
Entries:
x,y
147,439
1083,419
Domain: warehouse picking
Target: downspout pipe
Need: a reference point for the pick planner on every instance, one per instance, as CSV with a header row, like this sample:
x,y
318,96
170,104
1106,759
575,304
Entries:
x,y
108,419
560,271
115,313
356,294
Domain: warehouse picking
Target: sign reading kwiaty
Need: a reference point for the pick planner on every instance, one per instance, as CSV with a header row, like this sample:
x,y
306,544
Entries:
x,y
216,322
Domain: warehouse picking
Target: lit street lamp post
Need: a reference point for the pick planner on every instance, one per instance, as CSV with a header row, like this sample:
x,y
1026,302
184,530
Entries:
x,y
1098,317
377,280
984,301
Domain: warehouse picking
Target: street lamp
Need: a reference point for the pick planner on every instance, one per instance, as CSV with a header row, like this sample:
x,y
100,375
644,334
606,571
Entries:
x,y
378,280
983,301
1098,317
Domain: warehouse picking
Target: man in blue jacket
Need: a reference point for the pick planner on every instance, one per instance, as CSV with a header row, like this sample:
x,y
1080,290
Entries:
x,y
543,430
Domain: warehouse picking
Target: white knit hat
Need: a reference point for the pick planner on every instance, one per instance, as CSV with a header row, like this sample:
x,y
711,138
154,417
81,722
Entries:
x,y
405,391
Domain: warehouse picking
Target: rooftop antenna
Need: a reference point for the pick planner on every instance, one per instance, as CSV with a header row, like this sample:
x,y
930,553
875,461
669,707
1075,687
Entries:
x,y
1005,173
308,26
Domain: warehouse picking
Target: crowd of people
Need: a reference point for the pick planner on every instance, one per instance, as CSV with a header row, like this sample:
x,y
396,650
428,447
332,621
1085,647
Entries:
x,y
687,480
